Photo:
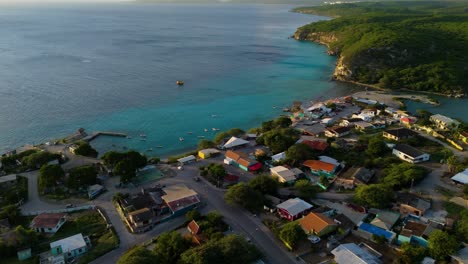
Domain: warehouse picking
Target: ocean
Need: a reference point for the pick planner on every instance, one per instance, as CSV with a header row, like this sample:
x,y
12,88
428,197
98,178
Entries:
x,y
114,67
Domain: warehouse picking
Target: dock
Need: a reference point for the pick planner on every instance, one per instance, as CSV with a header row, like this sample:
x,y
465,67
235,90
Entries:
x,y
103,133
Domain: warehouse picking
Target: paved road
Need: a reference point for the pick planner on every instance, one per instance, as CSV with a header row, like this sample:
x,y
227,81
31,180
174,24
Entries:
x,y
239,219
334,196
34,202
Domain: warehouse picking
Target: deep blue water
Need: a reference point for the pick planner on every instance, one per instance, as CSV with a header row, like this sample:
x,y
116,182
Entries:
x,y
114,67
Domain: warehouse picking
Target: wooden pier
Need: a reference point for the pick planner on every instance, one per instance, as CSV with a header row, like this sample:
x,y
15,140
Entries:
x,y
103,133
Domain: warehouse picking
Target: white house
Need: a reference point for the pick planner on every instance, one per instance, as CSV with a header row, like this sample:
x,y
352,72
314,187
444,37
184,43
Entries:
x,y
352,253
444,122
461,177
409,154
186,160
48,223
235,142
285,175
278,157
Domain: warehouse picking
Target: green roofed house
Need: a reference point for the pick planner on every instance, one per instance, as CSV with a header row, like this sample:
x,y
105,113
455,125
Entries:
x,y
70,247
385,219
24,254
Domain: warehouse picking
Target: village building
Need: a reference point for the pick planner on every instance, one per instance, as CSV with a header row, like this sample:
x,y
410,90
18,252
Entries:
x,y
208,153
385,219
141,220
354,176
278,157
317,224
368,231
399,134
461,257
409,154
293,209
350,122
444,122
285,175
180,199
408,203
242,161
70,247
353,254
363,126
461,177
196,233
95,190
317,145
234,142
408,120
320,168
187,160
337,131
48,222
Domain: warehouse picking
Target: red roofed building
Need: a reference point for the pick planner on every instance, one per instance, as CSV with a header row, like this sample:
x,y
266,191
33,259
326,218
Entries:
x,y
316,144
408,120
180,199
193,228
320,168
48,223
242,160
196,235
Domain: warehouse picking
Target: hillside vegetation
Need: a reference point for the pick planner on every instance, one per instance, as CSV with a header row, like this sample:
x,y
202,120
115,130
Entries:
x,y
414,45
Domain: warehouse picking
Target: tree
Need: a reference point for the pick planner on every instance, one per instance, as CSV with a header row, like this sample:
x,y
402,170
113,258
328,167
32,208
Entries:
x,y
85,149
220,137
81,176
49,176
374,195
26,237
111,158
125,170
306,191
137,255
279,140
403,174
441,244
216,172
125,164
169,247
376,147
461,227
215,219
243,195
411,254
12,212
235,132
324,181
192,215
299,152
453,164
204,144
282,122
264,184
230,249
291,233
38,159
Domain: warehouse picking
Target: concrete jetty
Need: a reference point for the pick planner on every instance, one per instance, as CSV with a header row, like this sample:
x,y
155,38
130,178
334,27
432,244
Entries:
x,y
103,133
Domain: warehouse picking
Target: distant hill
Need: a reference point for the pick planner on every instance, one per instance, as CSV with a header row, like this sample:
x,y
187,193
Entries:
x,y
414,45
293,2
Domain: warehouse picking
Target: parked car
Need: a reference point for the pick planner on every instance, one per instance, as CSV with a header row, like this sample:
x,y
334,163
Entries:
x,y
70,205
196,179
313,239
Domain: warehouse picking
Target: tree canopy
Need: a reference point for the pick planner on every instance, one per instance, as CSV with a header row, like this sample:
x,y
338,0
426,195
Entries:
x,y
441,244
415,45
244,195
231,249
411,254
374,195
50,176
264,184
402,174
279,139
169,247
81,177
137,255
125,164
85,149
299,152
305,189
292,233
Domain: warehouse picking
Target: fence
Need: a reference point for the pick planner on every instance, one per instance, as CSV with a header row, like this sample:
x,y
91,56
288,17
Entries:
x,y
64,210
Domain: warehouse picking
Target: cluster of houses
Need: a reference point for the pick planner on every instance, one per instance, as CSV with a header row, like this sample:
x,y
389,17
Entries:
x,y
144,210
405,222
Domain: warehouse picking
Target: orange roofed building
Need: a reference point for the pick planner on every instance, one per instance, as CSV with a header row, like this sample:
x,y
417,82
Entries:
x,y
320,168
317,224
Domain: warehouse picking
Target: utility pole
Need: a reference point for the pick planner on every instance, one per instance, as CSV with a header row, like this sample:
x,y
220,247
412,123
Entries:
x,y
411,188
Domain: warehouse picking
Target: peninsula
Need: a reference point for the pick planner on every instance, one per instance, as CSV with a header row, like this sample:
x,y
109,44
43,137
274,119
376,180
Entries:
x,y
419,46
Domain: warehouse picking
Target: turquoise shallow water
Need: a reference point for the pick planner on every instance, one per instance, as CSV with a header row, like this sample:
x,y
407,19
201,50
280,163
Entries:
x,y
114,67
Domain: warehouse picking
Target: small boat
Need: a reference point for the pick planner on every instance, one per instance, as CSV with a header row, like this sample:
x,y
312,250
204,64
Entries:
x,y
180,83
129,137
190,132
201,136
181,139
142,135
215,129
142,139
214,116
150,149
159,146
206,129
